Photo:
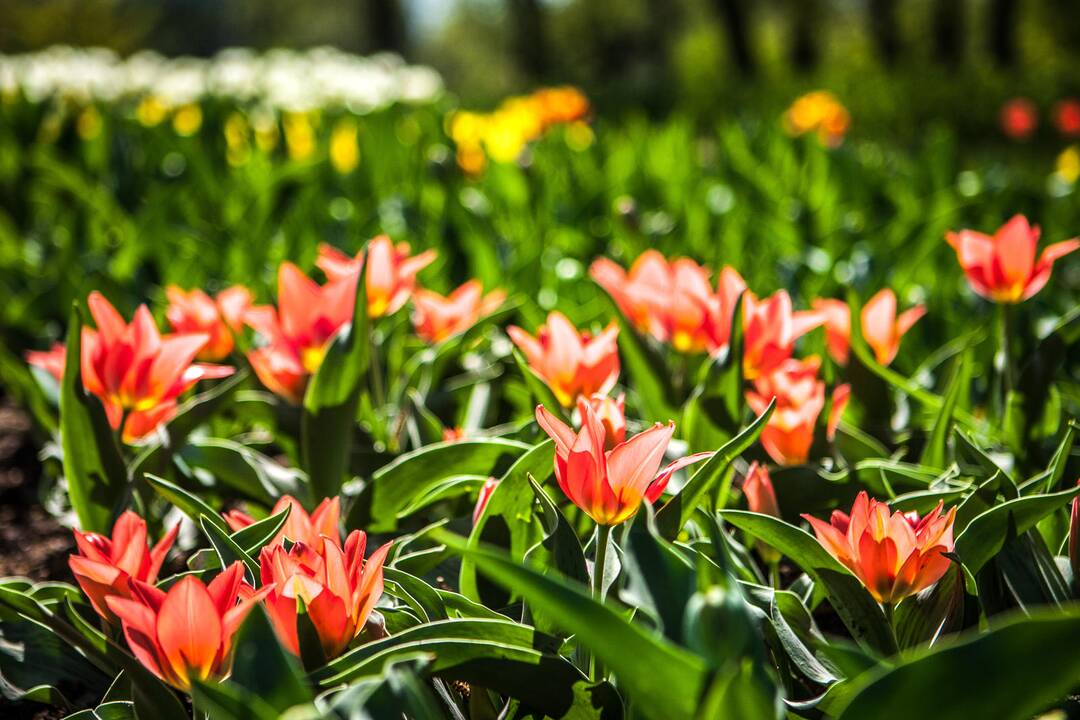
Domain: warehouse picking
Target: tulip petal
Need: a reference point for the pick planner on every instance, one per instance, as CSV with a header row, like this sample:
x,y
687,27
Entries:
x,y
189,629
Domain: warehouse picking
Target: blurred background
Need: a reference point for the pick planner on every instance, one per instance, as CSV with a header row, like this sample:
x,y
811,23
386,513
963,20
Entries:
x,y
896,63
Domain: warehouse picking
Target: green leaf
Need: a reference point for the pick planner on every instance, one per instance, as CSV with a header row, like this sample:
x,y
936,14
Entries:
x,y
659,579
226,701
987,533
96,478
227,549
992,675
650,376
676,511
264,668
935,454
393,487
328,421
846,594
560,539
715,407
189,503
662,679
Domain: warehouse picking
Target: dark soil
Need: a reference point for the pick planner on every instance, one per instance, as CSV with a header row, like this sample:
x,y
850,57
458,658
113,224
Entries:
x,y
32,543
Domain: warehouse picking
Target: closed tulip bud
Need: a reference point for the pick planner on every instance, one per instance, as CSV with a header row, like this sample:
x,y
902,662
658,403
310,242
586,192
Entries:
x,y
612,414
1074,540
758,489
1003,267
482,499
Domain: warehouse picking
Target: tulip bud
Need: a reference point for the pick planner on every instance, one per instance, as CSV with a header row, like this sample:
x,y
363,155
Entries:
x,y
1074,540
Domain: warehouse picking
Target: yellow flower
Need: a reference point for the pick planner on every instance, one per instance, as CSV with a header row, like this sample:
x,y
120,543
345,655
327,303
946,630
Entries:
x,y
1068,164
88,124
299,135
151,111
344,150
238,148
187,120
819,112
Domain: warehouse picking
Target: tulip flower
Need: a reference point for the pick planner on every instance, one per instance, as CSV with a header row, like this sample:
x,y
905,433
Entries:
x,y
612,414
1019,118
438,318
1067,117
770,329
1003,268
882,328
299,526
758,489
136,372
800,398
672,301
482,499
105,566
218,319
892,555
299,331
186,633
841,395
609,485
1074,540
338,589
391,272
51,360
453,434
571,363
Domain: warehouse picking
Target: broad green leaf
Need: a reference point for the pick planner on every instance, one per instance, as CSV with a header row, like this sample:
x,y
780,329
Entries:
x,y
328,422
560,539
661,679
989,675
96,479
227,549
936,451
393,487
846,594
189,503
263,667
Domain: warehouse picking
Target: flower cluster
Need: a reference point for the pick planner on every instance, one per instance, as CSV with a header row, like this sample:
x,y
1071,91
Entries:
x,y
818,112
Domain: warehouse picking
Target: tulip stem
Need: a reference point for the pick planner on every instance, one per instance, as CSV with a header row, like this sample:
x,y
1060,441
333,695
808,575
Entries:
x,y
1005,336
890,618
603,535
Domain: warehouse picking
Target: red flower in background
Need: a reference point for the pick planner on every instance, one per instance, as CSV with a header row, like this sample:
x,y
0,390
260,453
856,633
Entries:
x,y
1067,117
298,332
758,489
195,312
1019,118
800,398
51,360
186,632
439,317
136,372
882,328
1003,267
770,329
299,526
338,588
572,363
390,276
105,566
893,555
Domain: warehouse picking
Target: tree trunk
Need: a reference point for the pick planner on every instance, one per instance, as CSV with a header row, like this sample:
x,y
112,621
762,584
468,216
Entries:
x,y
1003,17
733,13
386,26
530,40
949,32
883,28
805,25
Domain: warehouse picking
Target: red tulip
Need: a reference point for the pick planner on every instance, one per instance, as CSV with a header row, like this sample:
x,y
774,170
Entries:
x,y
841,394
1074,539
612,414
438,318
1019,117
882,328
482,499
609,485
770,329
298,332
800,398
104,567
1003,268
1067,117
136,372
338,588
673,301
391,272
186,632
299,526
571,363
758,488
894,556
51,360
196,312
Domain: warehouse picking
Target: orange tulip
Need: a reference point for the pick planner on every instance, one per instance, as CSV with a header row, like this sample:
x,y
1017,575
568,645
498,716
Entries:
x,y
1019,118
841,395
571,363
882,328
1003,268
186,632
672,301
482,499
453,434
612,414
299,526
51,360
800,398
218,319
770,329
609,485
438,318
136,372
338,588
104,567
894,556
298,332
758,489
391,272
